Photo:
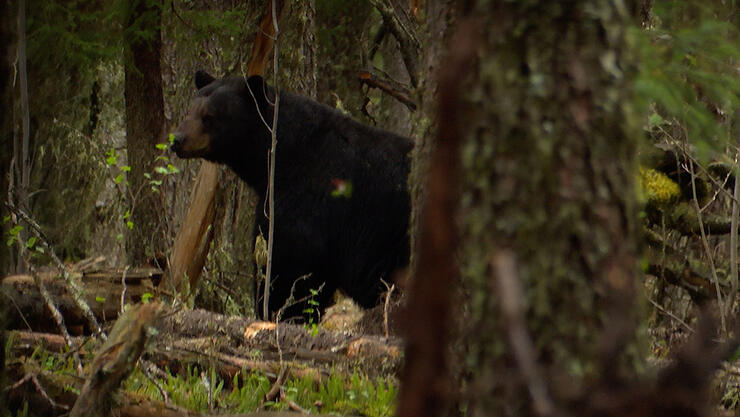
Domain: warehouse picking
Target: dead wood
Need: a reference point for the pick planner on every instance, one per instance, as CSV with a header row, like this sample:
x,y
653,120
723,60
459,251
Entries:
x,y
295,341
74,290
667,262
393,88
101,289
201,330
194,238
57,387
403,28
683,218
116,360
263,42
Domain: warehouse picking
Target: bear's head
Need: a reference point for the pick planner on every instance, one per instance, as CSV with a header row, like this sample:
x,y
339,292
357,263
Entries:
x,y
225,120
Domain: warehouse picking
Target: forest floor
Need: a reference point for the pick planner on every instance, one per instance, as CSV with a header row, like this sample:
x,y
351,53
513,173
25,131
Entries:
x,y
175,361
138,357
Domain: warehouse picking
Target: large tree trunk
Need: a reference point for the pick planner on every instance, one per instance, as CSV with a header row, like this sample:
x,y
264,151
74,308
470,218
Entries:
x,y
548,165
145,124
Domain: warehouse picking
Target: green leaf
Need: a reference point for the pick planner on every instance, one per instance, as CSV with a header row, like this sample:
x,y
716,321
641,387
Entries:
x,y
146,297
118,178
39,249
130,225
161,170
99,299
30,242
6,219
111,160
125,168
147,175
173,169
171,137
15,230
161,146
655,120
127,214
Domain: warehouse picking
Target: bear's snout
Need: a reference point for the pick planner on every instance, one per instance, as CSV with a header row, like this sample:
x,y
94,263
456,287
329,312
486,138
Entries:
x,y
176,146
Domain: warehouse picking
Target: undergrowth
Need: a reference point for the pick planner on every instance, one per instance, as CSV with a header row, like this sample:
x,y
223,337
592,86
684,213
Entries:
x,y
202,390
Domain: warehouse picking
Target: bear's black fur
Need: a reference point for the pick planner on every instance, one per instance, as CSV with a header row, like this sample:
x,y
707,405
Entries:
x,y
341,198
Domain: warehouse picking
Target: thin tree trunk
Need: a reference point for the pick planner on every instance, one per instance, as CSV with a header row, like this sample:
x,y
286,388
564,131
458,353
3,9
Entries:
x,y
22,161
145,124
7,128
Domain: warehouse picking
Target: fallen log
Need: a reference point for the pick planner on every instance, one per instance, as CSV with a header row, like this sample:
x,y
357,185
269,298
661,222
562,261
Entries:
x,y
102,290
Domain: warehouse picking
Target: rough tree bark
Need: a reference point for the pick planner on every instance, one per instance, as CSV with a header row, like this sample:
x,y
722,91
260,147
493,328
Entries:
x,y
430,303
145,124
439,18
549,167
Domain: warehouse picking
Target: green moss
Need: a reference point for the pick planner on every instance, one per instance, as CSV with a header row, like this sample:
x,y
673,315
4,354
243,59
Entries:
x,y
659,190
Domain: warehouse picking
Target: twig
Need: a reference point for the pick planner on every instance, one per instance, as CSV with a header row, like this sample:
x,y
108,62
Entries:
x,y
174,11
123,291
148,369
688,156
55,313
74,290
386,305
18,308
705,243
277,386
407,42
291,301
377,40
271,185
671,315
291,404
256,106
511,298
39,388
394,89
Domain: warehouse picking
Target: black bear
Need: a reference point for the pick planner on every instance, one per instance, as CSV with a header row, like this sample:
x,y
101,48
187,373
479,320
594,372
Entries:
x,y
341,198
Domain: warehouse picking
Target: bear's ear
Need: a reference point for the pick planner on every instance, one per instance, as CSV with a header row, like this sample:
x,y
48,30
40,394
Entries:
x,y
202,79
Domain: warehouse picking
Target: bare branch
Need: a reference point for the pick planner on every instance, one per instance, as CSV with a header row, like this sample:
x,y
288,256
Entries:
x,y
705,244
75,291
407,41
271,184
511,298
394,89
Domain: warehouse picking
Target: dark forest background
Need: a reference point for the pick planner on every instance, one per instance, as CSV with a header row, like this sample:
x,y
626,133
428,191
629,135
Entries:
x,y
574,223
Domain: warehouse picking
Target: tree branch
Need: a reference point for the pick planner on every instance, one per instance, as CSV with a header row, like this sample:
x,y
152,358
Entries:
x,y
407,41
